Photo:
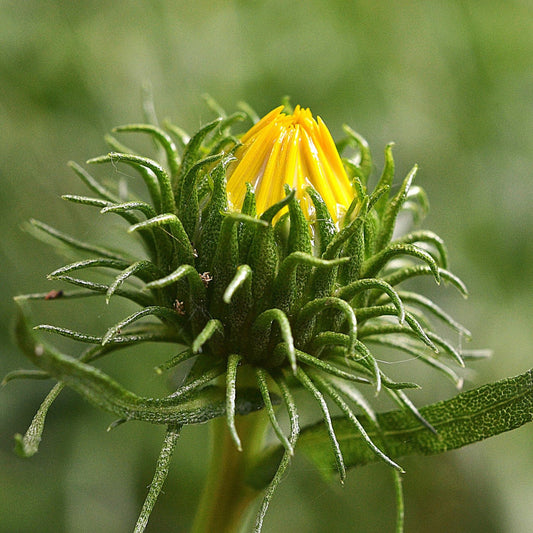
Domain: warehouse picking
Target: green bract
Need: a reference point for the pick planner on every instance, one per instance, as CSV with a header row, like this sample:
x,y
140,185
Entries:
x,y
299,303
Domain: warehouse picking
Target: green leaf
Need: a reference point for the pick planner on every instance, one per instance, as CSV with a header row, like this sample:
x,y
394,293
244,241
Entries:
x,y
28,445
430,238
371,267
192,151
124,208
165,314
24,374
213,216
144,270
187,202
163,179
89,263
327,423
262,329
212,327
86,200
273,210
406,273
386,179
287,285
364,164
161,472
469,417
178,235
102,391
45,233
263,260
243,273
394,205
135,296
92,184
246,232
162,138
324,225
299,233
147,173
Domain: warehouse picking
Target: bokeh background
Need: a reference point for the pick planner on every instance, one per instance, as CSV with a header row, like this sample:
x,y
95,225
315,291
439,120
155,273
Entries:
x,y
450,82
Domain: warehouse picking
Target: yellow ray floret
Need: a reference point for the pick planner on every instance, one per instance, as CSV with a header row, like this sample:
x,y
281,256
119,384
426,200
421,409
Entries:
x,y
290,149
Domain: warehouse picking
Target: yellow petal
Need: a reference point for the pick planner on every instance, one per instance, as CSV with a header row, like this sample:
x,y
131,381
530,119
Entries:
x,y
291,149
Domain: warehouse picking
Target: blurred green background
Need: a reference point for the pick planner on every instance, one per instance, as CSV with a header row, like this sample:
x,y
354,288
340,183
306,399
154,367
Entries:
x,y
450,82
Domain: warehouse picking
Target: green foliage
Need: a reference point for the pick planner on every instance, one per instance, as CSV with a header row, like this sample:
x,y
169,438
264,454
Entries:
x,y
467,418
264,306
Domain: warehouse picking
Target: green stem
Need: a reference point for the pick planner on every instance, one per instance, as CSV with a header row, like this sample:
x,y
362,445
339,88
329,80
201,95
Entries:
x,y
400,510
226,495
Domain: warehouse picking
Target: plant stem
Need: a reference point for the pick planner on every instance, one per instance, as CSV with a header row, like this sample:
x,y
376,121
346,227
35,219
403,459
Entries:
x,y
226,495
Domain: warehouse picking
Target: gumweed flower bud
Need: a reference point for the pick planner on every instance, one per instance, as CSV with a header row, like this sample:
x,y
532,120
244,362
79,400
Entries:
x,y
256,305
